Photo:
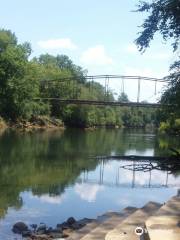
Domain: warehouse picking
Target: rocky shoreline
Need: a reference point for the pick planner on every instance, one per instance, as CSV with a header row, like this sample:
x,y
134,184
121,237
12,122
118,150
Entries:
x,y
43,123
43,232
35,123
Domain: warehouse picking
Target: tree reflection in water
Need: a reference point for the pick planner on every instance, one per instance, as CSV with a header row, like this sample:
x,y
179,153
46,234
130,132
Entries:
x,y
46,163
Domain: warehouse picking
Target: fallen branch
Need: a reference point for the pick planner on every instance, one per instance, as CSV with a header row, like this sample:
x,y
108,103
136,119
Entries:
x,y
141,158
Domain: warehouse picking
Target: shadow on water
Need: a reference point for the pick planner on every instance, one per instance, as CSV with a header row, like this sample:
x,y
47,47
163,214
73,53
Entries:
x,y
50,162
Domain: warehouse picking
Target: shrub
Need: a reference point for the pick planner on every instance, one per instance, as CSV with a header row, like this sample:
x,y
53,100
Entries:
x,y
164,127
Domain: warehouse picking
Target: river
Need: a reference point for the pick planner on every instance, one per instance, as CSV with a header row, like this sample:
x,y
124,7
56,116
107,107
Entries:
x,y
51,175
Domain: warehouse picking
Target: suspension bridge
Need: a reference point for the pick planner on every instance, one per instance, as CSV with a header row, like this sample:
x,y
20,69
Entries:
x,y
91,81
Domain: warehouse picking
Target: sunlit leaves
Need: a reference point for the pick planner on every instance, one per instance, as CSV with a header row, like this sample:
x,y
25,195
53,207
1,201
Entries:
x,y
164,17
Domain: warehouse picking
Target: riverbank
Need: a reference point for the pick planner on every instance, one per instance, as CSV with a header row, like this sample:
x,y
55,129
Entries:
x,y
35,123
52,123
152,221
42,231
46,123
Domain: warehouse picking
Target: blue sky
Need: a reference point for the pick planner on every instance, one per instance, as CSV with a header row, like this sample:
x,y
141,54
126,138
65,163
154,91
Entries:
x,y
97,35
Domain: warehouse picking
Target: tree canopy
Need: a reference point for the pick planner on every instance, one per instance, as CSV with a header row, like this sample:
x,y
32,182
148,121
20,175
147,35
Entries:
x,y
18,80
164,17
123,97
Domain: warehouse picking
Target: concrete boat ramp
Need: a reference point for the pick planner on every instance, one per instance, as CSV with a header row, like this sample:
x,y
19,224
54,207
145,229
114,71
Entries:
x,y
153,221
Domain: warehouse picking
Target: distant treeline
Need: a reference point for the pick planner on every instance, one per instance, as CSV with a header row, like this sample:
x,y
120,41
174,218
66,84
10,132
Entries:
x,y
22,80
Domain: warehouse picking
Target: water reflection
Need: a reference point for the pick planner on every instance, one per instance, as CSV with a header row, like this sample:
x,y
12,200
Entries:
x,y
87,191
49,176
129,175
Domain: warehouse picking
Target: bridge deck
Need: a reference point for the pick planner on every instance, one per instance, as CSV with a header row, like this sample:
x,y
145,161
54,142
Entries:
x,y
102,103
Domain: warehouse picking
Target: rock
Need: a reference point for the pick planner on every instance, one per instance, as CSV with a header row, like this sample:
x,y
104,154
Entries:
x,y
49,230
41,223
71,221
178,224
62,230
59,225
34,226
19,227
63,225
76,226
40,232
42,237
56,235
27,233
81,223
57,230
178,193
84,221
42,228
67,232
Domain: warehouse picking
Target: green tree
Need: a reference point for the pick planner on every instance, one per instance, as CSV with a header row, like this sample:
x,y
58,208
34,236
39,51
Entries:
x,y
164,17
18,84
57,74
123,97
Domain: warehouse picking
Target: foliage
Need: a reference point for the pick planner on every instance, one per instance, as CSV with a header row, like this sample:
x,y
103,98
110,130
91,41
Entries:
x,y
164,17
170,126
19,82
171,94
123,97
24,83
164,126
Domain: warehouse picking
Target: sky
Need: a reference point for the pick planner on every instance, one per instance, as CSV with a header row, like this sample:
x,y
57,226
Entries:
x,y
96,34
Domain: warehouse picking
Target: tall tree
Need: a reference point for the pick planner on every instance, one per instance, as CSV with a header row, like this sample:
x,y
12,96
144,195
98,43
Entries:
x,y
18,84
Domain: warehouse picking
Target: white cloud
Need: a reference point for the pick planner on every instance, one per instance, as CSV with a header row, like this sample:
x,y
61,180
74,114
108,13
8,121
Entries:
x,y
61,43
96,56
88,192
45,198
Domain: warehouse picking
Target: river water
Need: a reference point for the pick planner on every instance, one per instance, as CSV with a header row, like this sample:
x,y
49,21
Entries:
x,y
50,176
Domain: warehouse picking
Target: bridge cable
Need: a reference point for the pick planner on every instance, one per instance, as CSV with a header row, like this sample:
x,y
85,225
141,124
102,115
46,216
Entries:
x,y
139,88
106,86
122,85
92,80
155,88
